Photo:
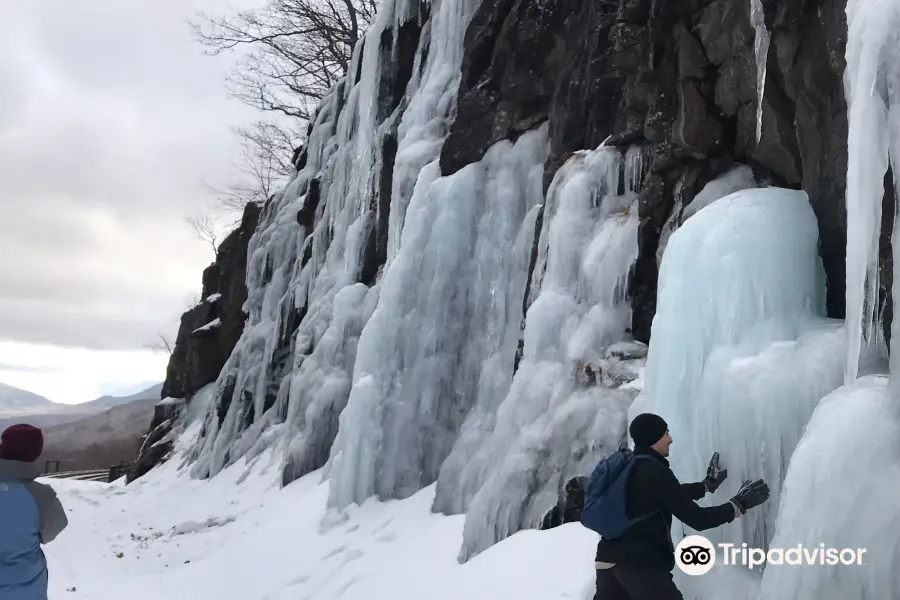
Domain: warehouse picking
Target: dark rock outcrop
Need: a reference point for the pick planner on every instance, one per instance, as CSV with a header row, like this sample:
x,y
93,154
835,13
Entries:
x,y
678,77
206,337
201,349
155,447
568,508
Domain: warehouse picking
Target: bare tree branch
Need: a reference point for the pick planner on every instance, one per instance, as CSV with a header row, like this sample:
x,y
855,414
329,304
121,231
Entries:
x,y
162,344
289,54
294,51
204,229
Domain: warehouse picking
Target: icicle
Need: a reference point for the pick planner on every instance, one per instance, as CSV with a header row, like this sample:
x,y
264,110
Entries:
x,y
871,87
761,50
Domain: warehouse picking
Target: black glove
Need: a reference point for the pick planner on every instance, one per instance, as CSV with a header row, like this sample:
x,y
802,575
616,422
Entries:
x,y
715,475
751,494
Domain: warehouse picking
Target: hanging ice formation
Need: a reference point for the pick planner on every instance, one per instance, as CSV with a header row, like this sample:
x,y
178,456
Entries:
x,y
841,485
872,79
566,405
761,52
741,352
758,390
319,246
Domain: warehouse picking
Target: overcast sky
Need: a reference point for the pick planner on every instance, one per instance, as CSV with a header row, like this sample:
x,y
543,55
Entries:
x,y
111,118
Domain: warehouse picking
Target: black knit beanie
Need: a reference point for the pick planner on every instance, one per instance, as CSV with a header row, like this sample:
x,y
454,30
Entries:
x,y
647,429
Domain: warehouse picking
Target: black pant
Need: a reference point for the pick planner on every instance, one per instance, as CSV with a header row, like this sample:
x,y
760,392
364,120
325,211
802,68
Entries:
x,y
635,583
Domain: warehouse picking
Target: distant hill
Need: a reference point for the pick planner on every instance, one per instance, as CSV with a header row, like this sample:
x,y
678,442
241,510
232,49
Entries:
x,y
104,402
103,439
14,401
20,406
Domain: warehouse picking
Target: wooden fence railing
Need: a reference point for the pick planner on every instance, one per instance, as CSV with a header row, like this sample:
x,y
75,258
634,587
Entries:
x,y
108,475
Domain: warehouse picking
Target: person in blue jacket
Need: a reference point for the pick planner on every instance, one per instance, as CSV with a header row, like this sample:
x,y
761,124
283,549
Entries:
x,y
30,515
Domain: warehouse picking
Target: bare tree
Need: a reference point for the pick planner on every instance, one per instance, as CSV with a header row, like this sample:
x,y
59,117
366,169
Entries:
x,y
204,228
290,53
295,50
162,344
264,167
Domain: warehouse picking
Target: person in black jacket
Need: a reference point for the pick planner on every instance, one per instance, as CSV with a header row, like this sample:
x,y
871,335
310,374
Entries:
x,y
638,565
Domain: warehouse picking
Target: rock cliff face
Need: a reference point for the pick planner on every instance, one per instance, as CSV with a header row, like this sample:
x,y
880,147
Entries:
x,y
210,330
679,77
206,337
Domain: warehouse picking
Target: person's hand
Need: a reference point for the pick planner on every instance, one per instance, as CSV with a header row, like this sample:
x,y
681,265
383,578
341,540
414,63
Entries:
x,y
751,494
715,475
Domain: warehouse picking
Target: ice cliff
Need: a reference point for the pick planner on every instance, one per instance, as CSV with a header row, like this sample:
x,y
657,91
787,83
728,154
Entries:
x,y
500,202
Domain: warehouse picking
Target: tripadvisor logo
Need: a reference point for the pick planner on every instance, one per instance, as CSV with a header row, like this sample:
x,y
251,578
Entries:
x,y
695,555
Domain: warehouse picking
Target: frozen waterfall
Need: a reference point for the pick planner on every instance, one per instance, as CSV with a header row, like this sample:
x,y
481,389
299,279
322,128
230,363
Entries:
x,y
473,332
841,492
450,303
741,352
841,485
312,259
567,403
873,94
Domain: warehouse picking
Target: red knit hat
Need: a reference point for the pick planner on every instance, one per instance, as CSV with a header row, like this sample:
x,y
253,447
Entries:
x,y
23,443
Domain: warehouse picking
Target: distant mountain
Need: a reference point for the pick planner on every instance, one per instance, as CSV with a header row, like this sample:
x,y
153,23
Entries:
x,y
14,401
103,439
151,393
19,406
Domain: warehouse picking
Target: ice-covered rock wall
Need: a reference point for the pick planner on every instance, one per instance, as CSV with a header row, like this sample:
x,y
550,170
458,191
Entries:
x,y
321,242
488,211
841,485
566,405
807,403
406,328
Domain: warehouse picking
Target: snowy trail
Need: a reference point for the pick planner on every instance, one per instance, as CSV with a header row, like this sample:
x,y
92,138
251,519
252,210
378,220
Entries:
x,y
239,537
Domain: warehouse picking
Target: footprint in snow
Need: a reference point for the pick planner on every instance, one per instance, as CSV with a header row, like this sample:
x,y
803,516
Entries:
x,y
335,552
351,556
384,525
346,587
384,538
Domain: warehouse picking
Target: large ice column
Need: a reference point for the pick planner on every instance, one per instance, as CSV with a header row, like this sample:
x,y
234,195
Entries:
x,y
871,76
566,405
753,410
841,492
320,383
741,274
448,305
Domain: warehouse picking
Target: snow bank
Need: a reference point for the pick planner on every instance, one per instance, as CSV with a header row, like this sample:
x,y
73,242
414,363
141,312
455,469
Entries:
x,y
170,536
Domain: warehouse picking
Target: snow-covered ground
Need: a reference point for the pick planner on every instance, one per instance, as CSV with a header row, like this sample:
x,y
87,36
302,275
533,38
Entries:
x,y
240,537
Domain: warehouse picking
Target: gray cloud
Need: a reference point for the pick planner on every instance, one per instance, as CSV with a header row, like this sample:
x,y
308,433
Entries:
x,y
114,120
